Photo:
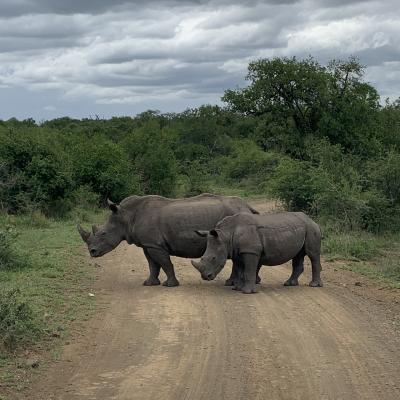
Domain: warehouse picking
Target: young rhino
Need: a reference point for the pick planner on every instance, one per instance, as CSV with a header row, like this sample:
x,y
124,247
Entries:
x,y
255,240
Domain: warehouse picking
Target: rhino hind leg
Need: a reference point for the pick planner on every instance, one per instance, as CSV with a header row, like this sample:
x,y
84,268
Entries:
x,y
297,269
313,250
316,272
152,280
162,258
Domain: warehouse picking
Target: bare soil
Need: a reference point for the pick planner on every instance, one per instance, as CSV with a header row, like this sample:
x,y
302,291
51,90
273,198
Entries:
x,y
202,340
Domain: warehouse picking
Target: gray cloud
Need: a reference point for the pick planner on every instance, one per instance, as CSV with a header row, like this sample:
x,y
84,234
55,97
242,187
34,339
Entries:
x,y
21,7
171,54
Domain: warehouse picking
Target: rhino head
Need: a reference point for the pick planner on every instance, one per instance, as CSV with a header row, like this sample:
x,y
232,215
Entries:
x,y
215,256
107,237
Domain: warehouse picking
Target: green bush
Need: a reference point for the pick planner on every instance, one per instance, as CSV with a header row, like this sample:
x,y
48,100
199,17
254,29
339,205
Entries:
x,y
150,151
247,165
103,167
297,184
9,258
197,179
18,322
34,170
384,175
245,159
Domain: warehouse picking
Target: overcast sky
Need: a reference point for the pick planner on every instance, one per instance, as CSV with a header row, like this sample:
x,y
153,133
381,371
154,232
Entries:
x,y
83,58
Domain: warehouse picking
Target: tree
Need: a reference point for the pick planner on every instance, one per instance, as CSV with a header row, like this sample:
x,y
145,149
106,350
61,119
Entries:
x,y
300,98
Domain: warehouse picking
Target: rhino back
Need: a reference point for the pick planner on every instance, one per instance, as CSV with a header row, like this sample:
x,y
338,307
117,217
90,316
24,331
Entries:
x,y
276,237
171,223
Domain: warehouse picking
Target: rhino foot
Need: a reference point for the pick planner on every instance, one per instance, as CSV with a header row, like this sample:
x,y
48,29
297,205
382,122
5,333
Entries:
x,y
316,283
249,290
171,282
151,282
229,282
291,282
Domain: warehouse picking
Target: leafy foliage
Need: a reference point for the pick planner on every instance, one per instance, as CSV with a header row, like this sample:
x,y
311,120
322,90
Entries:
x,y
18,322
314,136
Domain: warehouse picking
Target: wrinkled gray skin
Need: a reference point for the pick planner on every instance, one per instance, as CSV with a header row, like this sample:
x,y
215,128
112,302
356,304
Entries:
x,y
255,240
162,227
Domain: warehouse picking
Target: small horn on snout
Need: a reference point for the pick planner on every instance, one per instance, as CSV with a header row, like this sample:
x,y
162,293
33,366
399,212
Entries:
x,y
196,264
95,229
202,233
84,234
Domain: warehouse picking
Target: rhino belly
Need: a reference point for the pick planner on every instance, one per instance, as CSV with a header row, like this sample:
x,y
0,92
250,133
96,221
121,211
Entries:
x,y
188,245
281,245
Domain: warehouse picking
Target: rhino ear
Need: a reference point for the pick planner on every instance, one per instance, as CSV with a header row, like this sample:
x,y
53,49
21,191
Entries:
x,y
84,234
214,233
202,233
112,206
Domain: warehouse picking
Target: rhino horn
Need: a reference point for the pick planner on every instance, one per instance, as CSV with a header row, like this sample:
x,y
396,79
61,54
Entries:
x,y
95,229
197,265
84,234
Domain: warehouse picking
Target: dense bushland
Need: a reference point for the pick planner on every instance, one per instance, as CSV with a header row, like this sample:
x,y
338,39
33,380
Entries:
x,y
314,136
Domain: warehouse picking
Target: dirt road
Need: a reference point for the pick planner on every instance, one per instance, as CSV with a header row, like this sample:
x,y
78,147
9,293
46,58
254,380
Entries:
x,y
204,341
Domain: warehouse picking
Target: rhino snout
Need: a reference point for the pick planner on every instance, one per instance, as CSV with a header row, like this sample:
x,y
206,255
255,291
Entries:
x,y
208,276
94,252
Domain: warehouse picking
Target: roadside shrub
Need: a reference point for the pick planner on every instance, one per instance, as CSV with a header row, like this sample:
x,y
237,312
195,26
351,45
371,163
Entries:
x,y
384,179
9,258
84,197
84,202
297,184
197,179
34,171
247,159
380,214
150,151
18,322
342,200
357,245
103,167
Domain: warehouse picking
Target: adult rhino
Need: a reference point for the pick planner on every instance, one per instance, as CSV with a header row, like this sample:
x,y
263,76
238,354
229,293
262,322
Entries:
x,y
255,240
162,227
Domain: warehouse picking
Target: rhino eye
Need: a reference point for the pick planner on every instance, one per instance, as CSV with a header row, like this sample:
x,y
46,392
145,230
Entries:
x,y
103,233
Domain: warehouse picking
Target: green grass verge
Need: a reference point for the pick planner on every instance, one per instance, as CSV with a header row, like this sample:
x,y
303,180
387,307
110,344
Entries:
x,y
44,285
375,256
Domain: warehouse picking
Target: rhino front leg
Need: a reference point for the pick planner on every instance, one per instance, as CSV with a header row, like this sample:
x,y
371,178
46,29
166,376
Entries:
x,y
234,275
250,263
152,280
162,258
258,278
